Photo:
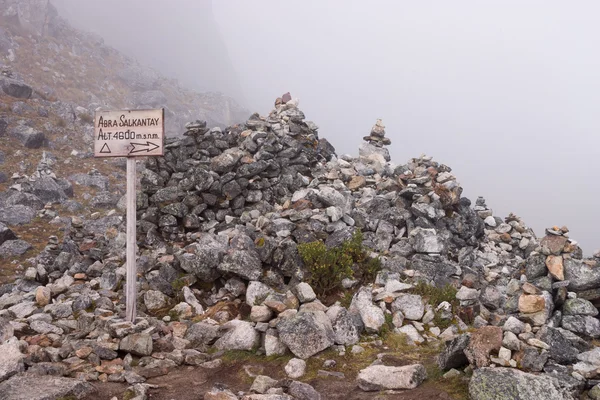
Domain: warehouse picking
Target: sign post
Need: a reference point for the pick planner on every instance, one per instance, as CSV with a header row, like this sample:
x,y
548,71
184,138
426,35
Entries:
x,y
129,133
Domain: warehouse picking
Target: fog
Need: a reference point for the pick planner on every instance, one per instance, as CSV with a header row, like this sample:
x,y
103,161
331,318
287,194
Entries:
x,y
504,92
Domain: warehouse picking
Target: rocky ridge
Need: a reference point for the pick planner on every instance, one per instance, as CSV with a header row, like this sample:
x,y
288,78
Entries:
x,y
42,56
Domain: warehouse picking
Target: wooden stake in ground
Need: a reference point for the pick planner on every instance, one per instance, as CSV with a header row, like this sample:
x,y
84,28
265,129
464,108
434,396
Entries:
x,y
131,134
130,290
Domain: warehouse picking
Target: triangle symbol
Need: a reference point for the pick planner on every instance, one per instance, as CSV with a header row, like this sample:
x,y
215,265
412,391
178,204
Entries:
x,y
105,148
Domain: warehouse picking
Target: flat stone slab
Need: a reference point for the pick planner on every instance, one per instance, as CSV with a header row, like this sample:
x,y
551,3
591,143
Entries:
x,y
36,387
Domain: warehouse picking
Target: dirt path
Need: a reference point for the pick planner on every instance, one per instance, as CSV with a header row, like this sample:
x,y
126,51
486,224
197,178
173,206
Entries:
x,y
190,383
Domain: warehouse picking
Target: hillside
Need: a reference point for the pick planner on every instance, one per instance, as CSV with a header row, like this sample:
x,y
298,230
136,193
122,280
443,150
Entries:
x,y
76,67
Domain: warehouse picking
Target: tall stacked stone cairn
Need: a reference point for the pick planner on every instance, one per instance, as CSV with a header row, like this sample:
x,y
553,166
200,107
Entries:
x,y
220,218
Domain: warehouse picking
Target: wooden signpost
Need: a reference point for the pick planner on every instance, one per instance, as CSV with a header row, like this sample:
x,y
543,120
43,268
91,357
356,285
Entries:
x,y
129,133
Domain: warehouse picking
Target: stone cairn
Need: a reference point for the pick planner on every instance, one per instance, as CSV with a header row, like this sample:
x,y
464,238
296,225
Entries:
x,y
377,136
227,209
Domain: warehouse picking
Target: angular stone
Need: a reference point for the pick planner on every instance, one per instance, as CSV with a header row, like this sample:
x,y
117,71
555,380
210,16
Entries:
x,y
304,292
580,275
344,328
453,355
295,368
44,387
371,315
555,244
582,324
512,384
579,307
426,241
561,349
243,263
303,391
240,335
139,344
43,295
262,383
381,377
11,359
531,303
411,306
155,300
555,266
483,341
306,333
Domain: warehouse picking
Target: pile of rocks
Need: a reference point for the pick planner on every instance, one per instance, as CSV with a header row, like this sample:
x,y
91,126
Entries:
x,y
541,321
221,216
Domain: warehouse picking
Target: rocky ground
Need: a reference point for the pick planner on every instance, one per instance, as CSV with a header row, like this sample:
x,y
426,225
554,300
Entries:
x,y
270,267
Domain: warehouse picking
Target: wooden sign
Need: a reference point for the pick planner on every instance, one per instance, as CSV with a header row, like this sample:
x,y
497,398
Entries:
x,y
129,133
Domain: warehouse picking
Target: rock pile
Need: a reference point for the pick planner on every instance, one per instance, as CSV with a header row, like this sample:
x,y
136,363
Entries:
x,y
544,325
221,216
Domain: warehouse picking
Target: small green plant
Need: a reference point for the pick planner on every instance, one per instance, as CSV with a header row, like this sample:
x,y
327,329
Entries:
x,y
328,267
387,327
435,295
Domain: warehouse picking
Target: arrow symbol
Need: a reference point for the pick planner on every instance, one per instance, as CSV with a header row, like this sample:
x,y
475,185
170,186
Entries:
x,y
147,147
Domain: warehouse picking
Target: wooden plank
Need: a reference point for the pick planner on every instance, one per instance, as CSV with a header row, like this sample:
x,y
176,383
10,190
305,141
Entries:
x,y
129,133
131,290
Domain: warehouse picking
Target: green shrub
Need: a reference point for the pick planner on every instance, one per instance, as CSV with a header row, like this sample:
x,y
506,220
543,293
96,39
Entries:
x,y
434,294
328,267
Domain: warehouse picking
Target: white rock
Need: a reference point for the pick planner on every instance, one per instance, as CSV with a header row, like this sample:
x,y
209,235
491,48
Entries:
x,y
11,359
295,368
490,221
411,305
381,377
412,334
304,292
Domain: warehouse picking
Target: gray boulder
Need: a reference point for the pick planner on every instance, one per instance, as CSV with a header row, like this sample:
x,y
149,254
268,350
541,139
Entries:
x,y
306,333
6,330
513,384
243,263
48,190
240,335
579,306
139,344
371,315
14,248
16,215
582,324
381,377
6,233
561,349
155,300
15,88
411,306
580,275
11,359
202,334
303,391
44,387
28,136
97,181
203,258
453,355
426,241
344,328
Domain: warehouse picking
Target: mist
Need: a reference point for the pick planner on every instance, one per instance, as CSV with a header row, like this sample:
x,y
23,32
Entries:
x,y
504,92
